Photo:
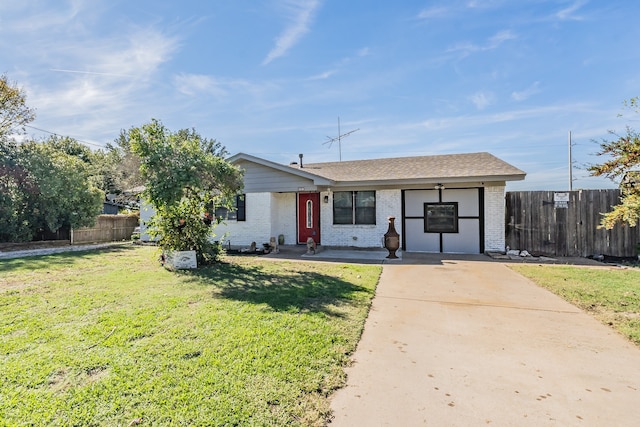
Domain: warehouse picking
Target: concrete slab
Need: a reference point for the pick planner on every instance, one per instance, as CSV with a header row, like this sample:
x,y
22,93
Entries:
x,y
56,250
353,255
469,343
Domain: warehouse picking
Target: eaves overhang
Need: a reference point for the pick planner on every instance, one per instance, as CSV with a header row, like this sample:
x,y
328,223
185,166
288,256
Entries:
x,y
300,172
428,181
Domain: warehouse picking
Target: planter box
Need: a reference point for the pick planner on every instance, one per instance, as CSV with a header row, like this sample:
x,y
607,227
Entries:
x,y
180,260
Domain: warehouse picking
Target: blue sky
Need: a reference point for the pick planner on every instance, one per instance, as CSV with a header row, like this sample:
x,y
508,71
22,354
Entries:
x,y
271,77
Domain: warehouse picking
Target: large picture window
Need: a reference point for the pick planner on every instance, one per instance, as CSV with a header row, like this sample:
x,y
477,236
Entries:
x,y
354,207
441,217
237,212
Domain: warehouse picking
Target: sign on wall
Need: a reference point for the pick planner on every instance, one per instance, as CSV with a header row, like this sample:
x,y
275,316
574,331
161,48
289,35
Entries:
x,y
561,200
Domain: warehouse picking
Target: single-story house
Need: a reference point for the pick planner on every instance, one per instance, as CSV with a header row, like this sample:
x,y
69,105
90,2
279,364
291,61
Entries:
x,y
445,203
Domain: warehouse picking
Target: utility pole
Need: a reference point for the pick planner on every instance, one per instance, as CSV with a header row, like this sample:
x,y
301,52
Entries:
x,y
570,165
338,138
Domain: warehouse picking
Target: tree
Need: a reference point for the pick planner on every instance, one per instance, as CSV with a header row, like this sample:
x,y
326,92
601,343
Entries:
x,y
123,165
185,177
14,113
45,186
17,191
64,195
624,167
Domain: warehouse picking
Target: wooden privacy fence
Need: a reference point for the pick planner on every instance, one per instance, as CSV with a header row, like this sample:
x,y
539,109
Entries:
x,y
108,228
539,222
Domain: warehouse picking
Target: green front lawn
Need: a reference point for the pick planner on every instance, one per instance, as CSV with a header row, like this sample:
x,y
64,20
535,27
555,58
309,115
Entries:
x,y
611,295
111,338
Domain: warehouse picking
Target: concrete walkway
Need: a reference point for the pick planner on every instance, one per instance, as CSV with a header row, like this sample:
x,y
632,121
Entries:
x,y
468,342
55,250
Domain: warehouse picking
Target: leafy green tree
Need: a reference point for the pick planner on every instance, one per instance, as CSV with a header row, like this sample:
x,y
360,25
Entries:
x,y
16,187
17,192
63,194
14,113
44,187
72,147
623,166
121,166
185,176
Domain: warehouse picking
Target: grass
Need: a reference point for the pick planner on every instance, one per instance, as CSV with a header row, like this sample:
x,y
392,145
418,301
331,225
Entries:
x,y
610,295
111,338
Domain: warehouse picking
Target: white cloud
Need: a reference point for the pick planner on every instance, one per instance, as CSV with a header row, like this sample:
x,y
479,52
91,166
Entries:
x,y
482,99
30,17
302,12
344,62
363,52
59,70
432,12
568,13
467,121
499,38
85,83
526,93
104,71
493,42
483,4
198,84
323,76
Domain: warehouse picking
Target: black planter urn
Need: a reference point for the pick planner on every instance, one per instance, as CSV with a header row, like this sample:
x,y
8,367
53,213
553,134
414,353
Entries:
x,y
392,239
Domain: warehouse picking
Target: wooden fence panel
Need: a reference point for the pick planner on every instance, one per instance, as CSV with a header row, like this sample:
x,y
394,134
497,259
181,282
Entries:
x,y
535,224
108,228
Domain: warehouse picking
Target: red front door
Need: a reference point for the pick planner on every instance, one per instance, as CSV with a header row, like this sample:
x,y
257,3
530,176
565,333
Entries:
x,y
308,217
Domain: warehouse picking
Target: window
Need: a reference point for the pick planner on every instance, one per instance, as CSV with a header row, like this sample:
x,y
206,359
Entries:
x,y
354,207
237,212
441,217
309,214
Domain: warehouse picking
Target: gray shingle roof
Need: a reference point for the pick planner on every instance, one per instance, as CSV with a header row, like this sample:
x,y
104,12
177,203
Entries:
x,y
441,167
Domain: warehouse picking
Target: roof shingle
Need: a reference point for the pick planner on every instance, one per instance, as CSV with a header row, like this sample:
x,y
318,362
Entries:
x,y
449,166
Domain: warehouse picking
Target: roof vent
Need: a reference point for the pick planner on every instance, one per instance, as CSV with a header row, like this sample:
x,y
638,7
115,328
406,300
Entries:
x,y
293,164
300,155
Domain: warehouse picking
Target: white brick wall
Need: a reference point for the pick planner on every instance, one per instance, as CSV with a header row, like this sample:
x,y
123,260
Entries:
x,y
272,214
494,212
268,215
388,203
257,227
283,214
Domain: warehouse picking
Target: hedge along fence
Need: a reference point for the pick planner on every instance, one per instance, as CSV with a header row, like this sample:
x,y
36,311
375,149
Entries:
x,y
108,228
538,223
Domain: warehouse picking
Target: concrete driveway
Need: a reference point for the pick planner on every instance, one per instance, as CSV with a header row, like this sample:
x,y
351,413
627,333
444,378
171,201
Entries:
x,y
468,342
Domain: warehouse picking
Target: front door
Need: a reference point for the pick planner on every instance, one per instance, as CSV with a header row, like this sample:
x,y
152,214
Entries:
x,y
308,217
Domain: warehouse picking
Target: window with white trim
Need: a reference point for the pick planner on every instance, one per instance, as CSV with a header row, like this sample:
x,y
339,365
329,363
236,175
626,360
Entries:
x,y
354,207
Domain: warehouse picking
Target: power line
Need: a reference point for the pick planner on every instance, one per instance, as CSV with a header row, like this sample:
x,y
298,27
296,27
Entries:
x,y
62,136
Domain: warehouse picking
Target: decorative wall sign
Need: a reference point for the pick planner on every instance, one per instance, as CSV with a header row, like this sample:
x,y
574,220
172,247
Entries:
x,y
561,200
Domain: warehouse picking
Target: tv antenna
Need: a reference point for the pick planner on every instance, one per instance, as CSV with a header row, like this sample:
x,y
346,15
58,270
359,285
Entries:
x,y
338,138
